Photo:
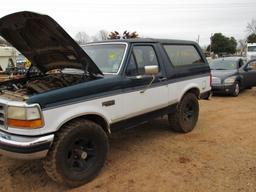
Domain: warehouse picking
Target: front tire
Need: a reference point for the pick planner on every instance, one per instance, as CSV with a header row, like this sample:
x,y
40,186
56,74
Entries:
x,y
78,153
185,118
236,89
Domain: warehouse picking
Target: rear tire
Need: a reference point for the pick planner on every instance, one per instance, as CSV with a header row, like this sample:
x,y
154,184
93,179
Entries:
x,y
78,153
186,115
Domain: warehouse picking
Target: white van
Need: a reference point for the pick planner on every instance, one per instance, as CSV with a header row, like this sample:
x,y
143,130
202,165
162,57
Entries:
x,y
251,51
7,57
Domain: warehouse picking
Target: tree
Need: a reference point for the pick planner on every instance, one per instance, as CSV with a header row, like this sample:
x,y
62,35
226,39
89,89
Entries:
x,y
222,44
242,46
100,36
251,38
251,27
95,38
232,44
114,35
103,35
82,38
126,35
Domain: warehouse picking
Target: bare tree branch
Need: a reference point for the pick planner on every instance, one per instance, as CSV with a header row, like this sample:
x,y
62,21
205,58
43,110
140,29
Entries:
x,y
242,46
251,27
103,35
82,38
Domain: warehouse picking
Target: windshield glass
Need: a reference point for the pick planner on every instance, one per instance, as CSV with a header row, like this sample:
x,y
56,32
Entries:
x,y
252,49
223,64
108,57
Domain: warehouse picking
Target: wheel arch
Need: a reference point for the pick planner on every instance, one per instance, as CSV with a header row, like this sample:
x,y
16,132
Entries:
x,y
96,118
193,89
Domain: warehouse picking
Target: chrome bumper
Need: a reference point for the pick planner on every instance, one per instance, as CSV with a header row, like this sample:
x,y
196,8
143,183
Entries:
x,y
22,147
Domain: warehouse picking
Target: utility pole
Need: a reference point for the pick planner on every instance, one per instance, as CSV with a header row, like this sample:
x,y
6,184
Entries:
x,y
198,39
211,44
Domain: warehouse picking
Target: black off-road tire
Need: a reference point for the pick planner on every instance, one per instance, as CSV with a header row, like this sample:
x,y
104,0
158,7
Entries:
x,y
79,138
185,118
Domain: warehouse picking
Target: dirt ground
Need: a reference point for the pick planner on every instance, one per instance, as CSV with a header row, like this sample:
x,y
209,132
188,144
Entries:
x,y
218,155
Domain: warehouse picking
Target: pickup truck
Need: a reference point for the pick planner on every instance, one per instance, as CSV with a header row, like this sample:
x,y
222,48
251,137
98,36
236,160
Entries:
x,y
65,113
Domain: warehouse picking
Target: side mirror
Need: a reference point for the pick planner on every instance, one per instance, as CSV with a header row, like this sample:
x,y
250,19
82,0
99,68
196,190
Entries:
x,y
151,70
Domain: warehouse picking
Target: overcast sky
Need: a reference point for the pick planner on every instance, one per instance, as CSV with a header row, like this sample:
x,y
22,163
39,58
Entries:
x,y
176,19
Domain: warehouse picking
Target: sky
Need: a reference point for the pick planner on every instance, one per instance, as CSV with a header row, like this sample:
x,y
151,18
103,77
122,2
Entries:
x,y
172,19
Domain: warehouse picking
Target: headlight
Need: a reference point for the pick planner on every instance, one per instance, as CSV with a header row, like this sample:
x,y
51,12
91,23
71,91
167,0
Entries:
x,y
24,117
230,80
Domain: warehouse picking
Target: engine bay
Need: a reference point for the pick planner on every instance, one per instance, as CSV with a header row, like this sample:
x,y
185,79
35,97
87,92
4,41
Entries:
x,y
21,89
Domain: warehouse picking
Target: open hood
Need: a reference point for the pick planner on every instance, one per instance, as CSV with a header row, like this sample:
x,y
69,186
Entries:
x,y
44,42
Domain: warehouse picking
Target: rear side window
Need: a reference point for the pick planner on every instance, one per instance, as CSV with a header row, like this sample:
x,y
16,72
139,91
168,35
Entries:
x,y
182,55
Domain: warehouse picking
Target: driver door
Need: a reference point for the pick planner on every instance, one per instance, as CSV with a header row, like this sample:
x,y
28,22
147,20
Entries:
x,y
140,98
249,74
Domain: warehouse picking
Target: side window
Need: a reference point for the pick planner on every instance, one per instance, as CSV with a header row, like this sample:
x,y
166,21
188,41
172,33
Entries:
x,y
182,55
252,65
141,56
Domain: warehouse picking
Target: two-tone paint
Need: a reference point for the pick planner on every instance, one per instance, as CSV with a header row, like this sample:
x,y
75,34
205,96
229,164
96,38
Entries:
x,y
114,101
115,98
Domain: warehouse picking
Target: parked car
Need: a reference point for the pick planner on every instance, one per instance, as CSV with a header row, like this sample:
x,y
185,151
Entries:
x,y
232,74
65,118
251,51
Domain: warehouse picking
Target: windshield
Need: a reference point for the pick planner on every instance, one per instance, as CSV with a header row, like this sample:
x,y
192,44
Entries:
x,y
223,64
108,57
251,48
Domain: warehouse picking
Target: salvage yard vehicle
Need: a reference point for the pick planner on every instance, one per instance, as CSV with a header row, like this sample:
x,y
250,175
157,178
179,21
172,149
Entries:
x,y
251,51
232,74
65,113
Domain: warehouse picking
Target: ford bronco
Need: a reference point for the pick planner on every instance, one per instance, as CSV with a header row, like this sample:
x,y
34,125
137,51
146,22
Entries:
x,y
81,94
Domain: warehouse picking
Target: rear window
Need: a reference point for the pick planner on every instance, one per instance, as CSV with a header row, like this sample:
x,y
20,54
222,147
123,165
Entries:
x,y
182,55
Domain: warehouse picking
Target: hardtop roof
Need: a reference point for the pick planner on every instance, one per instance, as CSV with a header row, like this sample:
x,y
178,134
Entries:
x,y
148,40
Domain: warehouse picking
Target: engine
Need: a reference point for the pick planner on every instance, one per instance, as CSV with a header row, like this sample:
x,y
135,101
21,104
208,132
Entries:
x,y
22,89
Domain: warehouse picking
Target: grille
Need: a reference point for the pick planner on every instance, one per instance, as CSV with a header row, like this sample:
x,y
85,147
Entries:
x,y
2,116
216,80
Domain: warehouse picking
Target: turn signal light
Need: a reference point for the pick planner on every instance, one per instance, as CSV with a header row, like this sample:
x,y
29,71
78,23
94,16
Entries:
x,y
30,124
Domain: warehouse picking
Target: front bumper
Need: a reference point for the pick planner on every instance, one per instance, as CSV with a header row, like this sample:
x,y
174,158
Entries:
x,y
21,147
223,89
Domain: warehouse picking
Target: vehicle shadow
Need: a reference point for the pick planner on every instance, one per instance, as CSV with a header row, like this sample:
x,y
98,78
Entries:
x,y
138,139
242,92
17,175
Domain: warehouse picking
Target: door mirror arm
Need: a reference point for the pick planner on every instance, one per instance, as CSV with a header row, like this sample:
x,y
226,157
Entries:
x,y
152,70
149,85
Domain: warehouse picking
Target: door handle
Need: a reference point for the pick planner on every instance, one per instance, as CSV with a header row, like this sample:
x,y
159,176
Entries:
x,y
108,103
